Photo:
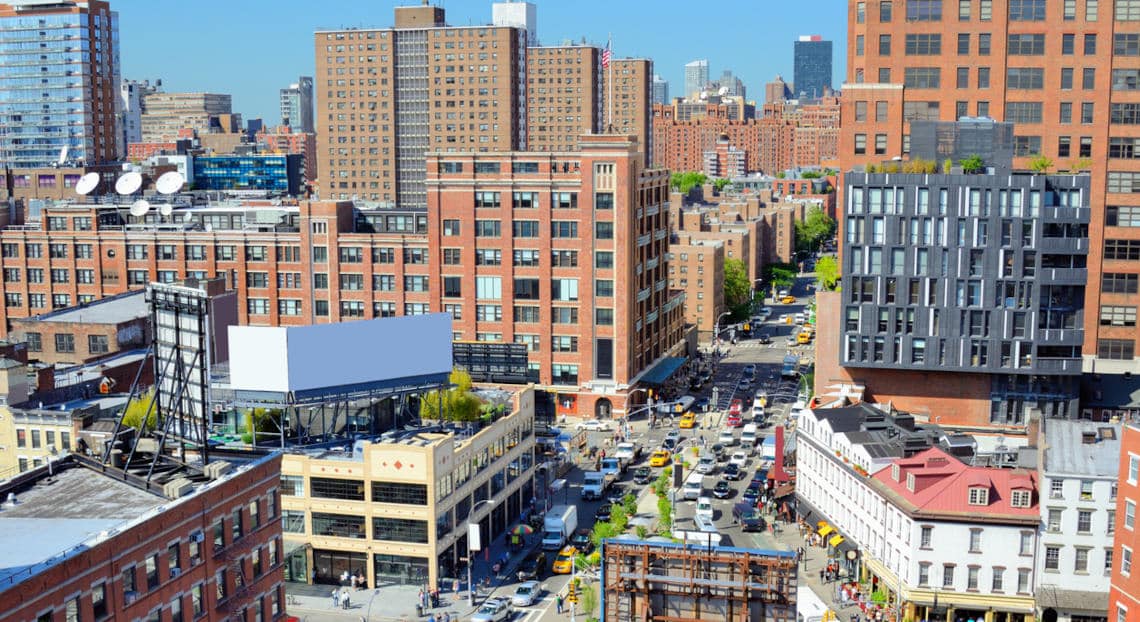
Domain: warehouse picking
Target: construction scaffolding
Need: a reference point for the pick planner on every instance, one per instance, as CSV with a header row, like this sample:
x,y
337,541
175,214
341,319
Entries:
x,y
667,582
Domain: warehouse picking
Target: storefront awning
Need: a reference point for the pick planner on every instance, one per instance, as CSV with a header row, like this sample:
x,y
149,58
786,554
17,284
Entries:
x,y
835,540
662,371
826,529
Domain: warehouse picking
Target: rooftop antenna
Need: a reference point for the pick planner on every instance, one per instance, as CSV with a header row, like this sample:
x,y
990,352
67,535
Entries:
x,y
140,208
128,184
87,184
165,210
169,182
62,156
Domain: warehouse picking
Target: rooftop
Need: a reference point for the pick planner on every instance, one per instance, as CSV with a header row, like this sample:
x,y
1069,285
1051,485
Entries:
x,y
46,521
1082,448
111,310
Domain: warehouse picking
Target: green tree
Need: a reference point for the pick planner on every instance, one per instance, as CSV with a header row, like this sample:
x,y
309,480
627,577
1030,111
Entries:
x,y
1040,164
721,184
947,164
137,409
459,404
687,180
811,175
259,421
827,270
642,532
619,519
602,530
815,228
736,287
972,164
629,502
588,600
780,274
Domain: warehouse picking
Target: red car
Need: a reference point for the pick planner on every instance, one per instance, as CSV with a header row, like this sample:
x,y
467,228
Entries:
x,y
734,412
733,421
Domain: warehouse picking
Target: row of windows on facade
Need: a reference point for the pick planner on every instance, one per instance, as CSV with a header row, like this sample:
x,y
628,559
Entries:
x,y
266,607
49,436
1019,44
1019,10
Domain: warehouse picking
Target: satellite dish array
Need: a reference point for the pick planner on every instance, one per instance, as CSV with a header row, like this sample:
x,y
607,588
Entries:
x,y
129,183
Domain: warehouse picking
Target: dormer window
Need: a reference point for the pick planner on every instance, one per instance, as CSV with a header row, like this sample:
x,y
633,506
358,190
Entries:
x,y
910,482
895,472
1020,498
979,495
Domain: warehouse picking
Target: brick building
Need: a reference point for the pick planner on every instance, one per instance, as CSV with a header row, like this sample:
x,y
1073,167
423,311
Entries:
x,y
1063,72
697,268
90,330
52,183
1124,585
166,115
627,90
209,550
563,96
283,139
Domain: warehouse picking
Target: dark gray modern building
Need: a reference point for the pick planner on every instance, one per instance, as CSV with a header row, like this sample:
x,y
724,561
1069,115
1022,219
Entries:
x,y
812,67
969,274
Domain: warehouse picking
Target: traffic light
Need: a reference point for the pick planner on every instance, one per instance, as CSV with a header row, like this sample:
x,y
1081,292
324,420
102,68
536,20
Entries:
x,y
571,593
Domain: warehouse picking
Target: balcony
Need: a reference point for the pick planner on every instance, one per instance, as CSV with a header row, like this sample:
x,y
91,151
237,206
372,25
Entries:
x,y
1060,337
1064,276
1065,214
1057,366
1064,245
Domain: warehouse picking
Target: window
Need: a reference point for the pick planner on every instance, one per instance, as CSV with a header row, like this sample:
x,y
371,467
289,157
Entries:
x,y
924,10
923,44
1087,113
604,230
524,167
1108,561
1129,514
1112,315
880,111
963,82
1090,44
926,538
488,228
1053,522
983,80
98,344
564,289
99,601
489,287
1068,44
1125,44
1113,282
924,573
972,578
984,44
860,111
1027,10
1026,545
1127,10
975,540
526,314
64,342
880,144
1066,112
454,256
1116,349
452,286
1023,580
487,199
1125,79
344,489
948,575
1125,560
860,144
526,289
922,77
564,229
1020,498
1023,112
964,44
603,200
1081,560
884,45
1025,77
1026,44
564,200
1052,558
886,10
524,228
524,200
524,258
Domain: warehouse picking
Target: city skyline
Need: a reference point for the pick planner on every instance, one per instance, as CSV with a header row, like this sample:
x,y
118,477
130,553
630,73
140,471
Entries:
x,y
255,87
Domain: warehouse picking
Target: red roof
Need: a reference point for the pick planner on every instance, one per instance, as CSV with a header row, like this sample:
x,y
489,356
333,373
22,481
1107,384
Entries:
x,y
942,486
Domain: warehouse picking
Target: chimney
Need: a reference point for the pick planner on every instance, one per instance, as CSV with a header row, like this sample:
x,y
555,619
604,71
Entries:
x,y
45,379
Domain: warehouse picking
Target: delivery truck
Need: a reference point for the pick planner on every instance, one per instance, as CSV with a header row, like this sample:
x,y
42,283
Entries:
x,y
558,526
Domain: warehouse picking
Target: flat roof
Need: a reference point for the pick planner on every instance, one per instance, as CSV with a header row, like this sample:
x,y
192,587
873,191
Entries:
x,y
1067,452
46,522
112,310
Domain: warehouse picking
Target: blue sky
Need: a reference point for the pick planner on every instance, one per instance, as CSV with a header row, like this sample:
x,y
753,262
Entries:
x,y
252,48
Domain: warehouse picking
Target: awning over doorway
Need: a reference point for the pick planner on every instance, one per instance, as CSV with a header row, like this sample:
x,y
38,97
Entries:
x,y
826,529
836,540
663,370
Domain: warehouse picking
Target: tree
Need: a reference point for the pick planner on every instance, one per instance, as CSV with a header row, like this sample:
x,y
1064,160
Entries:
x,y
736,287
815,228
259,421
947,164
721,184
972,164
459,404
780,274
827,269
1040,164
811,175
137,409
603,530
1080,164
686,181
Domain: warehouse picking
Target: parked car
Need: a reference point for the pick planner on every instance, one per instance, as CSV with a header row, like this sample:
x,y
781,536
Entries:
x,y
764,338
705,507
593,425
526,594
722,490
732,472
701,405
493,610
726,438
533,566
643,475
748,517
669,444
751,494
750,370
616,493
564,562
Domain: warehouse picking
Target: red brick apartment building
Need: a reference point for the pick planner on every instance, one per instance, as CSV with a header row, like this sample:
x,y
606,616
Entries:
x,y
1124,591
211,550
565,252
1066,73
283,139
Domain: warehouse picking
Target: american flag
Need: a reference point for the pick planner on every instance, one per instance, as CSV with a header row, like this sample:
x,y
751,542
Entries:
x,y
606,57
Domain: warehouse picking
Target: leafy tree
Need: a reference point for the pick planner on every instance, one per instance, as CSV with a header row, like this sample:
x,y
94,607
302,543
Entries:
x,y
629,502
259,421
721,184
1040,164
664,512
815,228
602,531
947,164
642,532
137,409
687,180
619,519
972,164
811,175
780,274
459,404
736,286
1080,164
827,269
781,175
588,600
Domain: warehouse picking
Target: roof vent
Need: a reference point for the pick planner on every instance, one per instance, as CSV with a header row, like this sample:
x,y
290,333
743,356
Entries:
x,y
11,501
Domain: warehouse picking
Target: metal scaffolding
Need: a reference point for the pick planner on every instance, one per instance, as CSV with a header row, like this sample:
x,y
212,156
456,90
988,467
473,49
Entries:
x,y
667,582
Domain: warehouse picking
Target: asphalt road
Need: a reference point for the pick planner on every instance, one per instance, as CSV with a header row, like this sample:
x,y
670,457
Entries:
x,y
727,373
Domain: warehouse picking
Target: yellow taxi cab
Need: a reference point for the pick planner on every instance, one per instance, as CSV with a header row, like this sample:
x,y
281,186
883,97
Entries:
x,y
659,458
787,300
564,561
688,420
803,337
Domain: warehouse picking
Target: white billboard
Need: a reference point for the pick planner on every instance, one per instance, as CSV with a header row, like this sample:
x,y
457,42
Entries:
x,y
302,358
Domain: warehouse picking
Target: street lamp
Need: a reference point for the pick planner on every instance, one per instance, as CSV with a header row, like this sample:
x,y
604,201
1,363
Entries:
x,y
716,329
753,290
471,550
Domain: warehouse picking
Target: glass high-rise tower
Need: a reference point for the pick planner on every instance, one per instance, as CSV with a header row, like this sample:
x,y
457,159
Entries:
x,y
812,66
59,83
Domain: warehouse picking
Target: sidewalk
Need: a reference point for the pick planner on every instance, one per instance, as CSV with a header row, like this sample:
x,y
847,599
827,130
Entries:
x,y
788,538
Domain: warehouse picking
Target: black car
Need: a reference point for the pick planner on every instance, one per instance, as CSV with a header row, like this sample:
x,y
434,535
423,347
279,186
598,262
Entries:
x,y
720,452
643,475
581,541
751,494
732,472
701,405
603,513
722,490
669,443
533,568
764,338
616,493
760,479
748,517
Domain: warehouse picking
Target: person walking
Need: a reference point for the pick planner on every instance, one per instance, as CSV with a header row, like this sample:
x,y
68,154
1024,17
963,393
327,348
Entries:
x,y
335,598
558,603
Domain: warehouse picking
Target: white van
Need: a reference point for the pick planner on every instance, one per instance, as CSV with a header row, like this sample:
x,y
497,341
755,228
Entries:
x,y
693,487
749,436
726,438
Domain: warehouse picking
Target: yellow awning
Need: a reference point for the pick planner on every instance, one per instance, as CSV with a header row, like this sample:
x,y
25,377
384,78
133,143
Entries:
x,y
835,540
826,529
821,524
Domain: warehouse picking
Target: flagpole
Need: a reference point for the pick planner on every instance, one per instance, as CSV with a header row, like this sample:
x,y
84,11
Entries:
x,y
610,105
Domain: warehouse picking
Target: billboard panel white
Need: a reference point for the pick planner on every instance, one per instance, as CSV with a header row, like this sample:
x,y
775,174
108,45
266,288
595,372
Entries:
x,y
259,359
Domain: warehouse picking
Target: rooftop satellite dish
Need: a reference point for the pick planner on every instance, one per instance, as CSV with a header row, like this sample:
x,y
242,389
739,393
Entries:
x,y
140,207
169,182
129,183
87,184
166,209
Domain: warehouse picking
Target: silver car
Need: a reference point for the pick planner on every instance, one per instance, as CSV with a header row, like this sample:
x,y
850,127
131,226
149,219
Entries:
x,y
493,610
526,594
706,465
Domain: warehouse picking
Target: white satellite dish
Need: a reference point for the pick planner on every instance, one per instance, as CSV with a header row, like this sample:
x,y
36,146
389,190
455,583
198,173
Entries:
x,y
140,207
169,182
166,209
87,184
129,183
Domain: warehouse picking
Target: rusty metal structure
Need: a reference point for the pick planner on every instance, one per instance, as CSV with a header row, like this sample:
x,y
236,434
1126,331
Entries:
x,y
668,582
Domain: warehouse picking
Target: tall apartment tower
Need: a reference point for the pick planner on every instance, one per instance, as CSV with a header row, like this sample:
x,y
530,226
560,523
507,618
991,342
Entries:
x,y
660,90
564,95
628,110
297,105
386,97
523,15
1063,72
70,51
132,94
812,66
696,76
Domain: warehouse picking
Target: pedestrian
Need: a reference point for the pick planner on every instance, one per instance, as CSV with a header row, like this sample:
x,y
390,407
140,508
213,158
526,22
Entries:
x,y
344,578
420,597
446,616
335,597
344,600
821,573
431,617
558,603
